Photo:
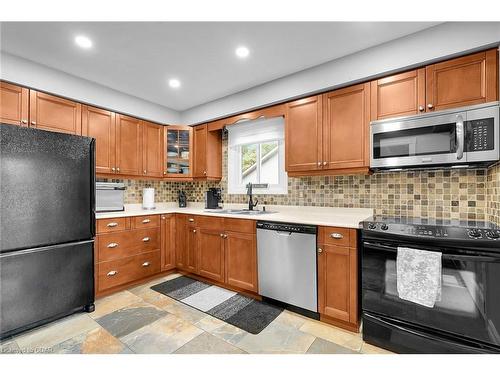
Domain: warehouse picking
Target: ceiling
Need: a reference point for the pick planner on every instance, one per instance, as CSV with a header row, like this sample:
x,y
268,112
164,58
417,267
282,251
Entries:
x,y
139,58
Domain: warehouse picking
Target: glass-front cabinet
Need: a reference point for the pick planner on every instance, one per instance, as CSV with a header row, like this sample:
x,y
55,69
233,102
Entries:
x,y
178,151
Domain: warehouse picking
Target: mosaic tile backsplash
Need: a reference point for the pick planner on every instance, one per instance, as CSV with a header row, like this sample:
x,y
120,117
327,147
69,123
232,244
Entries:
x,y
467,194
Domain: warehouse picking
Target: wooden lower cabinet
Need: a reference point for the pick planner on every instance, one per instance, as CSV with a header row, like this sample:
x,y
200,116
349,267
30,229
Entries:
x,y
191,249
241,260
223,250
115,273
180,241
168,241
210,244
338,277
126,252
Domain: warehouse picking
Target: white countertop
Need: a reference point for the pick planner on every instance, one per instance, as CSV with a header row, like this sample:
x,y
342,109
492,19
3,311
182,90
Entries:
x,y
328,216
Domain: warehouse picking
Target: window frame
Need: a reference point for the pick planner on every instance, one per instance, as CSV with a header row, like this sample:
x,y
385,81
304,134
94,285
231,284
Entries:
x,y
234,184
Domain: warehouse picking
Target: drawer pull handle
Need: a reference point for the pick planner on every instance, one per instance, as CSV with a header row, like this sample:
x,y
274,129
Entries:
x,y
337,236
191,220
146,264
112,273
145,221
146,239
112,245
320,250
111,225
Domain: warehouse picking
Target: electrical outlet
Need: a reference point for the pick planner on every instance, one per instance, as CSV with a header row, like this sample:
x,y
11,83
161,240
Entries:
x,y
301,194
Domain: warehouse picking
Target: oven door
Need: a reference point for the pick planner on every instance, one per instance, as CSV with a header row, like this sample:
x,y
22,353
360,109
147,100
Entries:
x,y
470,299
430,140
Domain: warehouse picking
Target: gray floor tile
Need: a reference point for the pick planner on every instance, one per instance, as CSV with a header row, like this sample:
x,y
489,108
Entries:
x,y
96,341
208,344
131,318
164,336
320,346
9,347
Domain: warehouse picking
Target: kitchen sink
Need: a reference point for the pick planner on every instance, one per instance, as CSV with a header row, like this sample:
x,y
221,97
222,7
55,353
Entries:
x,y
240,212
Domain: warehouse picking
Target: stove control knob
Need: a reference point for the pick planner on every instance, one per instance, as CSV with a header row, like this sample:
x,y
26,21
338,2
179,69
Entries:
x,y
492,234
384,227
474,233
372,226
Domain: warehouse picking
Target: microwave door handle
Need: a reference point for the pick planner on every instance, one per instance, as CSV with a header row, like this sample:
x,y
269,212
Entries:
x,y
459,129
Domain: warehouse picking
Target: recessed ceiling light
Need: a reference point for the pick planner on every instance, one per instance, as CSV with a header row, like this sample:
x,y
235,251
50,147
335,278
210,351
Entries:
x,y
174,83
83,42
242,52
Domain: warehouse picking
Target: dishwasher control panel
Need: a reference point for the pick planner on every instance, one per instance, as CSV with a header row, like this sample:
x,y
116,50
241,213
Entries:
x,y
287,227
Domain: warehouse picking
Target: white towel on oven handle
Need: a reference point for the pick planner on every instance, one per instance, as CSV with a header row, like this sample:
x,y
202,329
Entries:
x,y
419,276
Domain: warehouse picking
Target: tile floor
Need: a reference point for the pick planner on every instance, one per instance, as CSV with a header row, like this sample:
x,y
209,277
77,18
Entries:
x,y
140,320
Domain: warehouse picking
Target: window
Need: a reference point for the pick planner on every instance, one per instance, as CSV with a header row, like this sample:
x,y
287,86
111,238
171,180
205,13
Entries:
x,y
257,154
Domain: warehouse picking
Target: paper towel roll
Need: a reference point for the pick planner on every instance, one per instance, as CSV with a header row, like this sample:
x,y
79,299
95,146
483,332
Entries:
x,y
148,198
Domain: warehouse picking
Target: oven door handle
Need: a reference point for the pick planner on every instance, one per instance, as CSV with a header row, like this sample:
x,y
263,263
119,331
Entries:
x,y
459,129
476,258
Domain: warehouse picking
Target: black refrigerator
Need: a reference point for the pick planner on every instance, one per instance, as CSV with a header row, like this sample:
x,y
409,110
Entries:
x,y
47,227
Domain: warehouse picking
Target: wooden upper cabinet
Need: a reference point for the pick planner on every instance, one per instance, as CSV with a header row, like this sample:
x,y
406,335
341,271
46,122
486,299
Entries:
x,y
398,95
14,101
178,155
303,134
48,112
200,151
128,145
152,149
463,81
346,127
100,124
207,153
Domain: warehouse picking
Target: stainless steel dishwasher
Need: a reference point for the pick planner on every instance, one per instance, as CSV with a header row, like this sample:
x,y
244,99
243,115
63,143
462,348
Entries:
x,y
287,266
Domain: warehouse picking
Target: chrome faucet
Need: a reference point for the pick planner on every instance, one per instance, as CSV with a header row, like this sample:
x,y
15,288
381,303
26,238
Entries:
x,y
251,205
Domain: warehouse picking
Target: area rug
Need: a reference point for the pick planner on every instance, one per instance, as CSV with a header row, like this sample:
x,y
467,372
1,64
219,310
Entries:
x,y
236,309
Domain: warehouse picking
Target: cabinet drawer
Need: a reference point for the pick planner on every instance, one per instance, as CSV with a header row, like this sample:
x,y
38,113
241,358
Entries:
x,y
210,222
128,269
113,225
239,225
335,236
124,244
151,221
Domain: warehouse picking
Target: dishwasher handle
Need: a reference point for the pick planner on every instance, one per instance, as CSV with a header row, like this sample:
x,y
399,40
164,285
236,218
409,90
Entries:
x,y
284,234
287,227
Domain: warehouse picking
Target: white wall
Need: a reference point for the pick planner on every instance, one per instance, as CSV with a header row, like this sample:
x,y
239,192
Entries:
x,y
28,73
441,41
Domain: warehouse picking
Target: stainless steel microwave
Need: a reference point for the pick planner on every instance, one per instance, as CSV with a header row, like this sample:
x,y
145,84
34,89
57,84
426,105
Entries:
x,y
455,137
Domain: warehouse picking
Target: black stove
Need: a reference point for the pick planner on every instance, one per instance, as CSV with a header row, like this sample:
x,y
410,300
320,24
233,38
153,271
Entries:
x,y
466,318
476,233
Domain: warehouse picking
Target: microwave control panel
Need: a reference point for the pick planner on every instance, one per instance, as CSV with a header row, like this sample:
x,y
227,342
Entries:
x,y
480,135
